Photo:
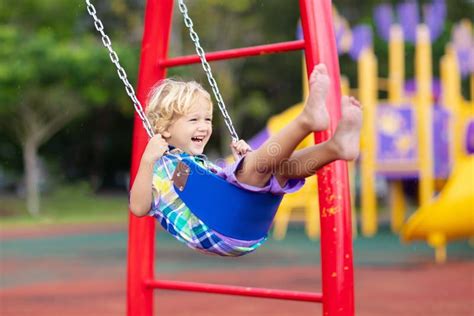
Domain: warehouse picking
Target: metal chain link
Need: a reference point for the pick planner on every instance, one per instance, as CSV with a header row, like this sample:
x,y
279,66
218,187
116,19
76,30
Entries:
x,y
207,69
129,88
120,71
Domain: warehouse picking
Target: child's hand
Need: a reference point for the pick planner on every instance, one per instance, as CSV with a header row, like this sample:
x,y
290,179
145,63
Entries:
x,y
239,149
155,149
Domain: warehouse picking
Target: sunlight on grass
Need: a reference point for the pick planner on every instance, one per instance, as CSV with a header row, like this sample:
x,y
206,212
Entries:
x,y
69,204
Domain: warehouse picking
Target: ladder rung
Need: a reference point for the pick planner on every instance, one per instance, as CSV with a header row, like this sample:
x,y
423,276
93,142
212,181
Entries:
x,y
234,53
235,290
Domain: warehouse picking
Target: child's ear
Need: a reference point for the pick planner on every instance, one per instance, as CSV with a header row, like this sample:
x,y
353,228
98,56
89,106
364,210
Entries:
x,y
165,134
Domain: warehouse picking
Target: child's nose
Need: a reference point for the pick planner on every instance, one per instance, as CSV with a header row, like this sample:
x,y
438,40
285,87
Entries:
x,y
202,127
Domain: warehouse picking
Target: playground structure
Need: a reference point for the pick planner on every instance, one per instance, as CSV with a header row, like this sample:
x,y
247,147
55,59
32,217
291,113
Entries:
x,y
337,269
451,215
417,133
409,136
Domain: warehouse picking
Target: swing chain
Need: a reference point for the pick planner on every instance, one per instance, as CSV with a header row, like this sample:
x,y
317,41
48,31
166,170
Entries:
x,y
129,88
120,71
207,69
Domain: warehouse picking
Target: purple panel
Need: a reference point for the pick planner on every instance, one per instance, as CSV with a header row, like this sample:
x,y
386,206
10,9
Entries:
x,y
441,137
410,88
397,142
470,138
407,13
339,33
466,60
299,31
259,139
435,16
383,17
361,38
400,175
396,135
408,16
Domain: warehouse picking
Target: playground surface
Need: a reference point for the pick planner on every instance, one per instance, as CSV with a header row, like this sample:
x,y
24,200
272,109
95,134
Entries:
x,y
81,270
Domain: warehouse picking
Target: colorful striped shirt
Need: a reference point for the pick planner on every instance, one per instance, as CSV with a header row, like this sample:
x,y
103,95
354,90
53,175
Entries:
x,y
176,218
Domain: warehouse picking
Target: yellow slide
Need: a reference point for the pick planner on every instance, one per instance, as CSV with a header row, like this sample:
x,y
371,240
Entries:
x,y
450,216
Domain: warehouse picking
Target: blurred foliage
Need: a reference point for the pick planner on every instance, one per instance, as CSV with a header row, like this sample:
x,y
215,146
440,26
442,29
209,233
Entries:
x,y
50,50
70,203
51,65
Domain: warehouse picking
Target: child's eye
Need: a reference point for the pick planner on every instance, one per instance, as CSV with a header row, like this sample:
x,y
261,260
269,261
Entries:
x,y
193,120
209,119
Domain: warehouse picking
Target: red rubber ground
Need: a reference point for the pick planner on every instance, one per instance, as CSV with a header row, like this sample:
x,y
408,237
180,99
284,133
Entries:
x,y
85,288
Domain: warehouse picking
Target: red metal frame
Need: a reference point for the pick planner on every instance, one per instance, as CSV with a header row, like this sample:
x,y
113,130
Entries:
x,y
333,183
234,290
336,236
141,242
235,53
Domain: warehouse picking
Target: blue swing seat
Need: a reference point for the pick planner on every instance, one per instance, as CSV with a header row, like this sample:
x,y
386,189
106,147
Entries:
x,y
223,207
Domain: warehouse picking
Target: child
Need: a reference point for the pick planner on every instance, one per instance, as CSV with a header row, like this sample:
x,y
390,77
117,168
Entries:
x,y
181,114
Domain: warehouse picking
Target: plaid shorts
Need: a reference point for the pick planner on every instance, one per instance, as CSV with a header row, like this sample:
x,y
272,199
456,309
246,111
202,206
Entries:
x,y
176,218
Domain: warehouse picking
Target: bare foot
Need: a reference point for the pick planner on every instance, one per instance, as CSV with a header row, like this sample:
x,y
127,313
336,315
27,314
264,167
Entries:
x,y
315,113
347,135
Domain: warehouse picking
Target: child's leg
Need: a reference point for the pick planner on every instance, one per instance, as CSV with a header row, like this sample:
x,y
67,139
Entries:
x,y
343,145
259,165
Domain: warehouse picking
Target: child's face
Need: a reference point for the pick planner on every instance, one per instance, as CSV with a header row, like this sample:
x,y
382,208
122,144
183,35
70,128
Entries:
x,y
192,131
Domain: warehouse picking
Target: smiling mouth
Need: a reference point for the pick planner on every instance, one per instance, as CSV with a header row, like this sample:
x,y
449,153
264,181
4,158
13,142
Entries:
x,y
197,140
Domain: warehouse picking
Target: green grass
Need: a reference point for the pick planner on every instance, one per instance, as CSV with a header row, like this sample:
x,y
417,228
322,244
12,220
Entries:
x,y
69,204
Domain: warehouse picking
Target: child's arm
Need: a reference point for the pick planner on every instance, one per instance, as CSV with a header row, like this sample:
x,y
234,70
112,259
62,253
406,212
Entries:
x,y
141,192
239,149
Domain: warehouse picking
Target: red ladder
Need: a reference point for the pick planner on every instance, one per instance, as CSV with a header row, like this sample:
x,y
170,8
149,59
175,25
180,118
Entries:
x,y
337,295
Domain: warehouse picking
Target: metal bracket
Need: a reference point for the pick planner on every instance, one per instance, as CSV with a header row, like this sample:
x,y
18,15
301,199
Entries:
x,y
180,175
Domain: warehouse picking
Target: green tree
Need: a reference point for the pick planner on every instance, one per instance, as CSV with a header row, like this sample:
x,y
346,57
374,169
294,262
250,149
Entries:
x,y
45,83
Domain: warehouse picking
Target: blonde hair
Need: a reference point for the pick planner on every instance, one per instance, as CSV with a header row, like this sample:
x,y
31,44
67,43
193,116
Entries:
x,y
169,99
